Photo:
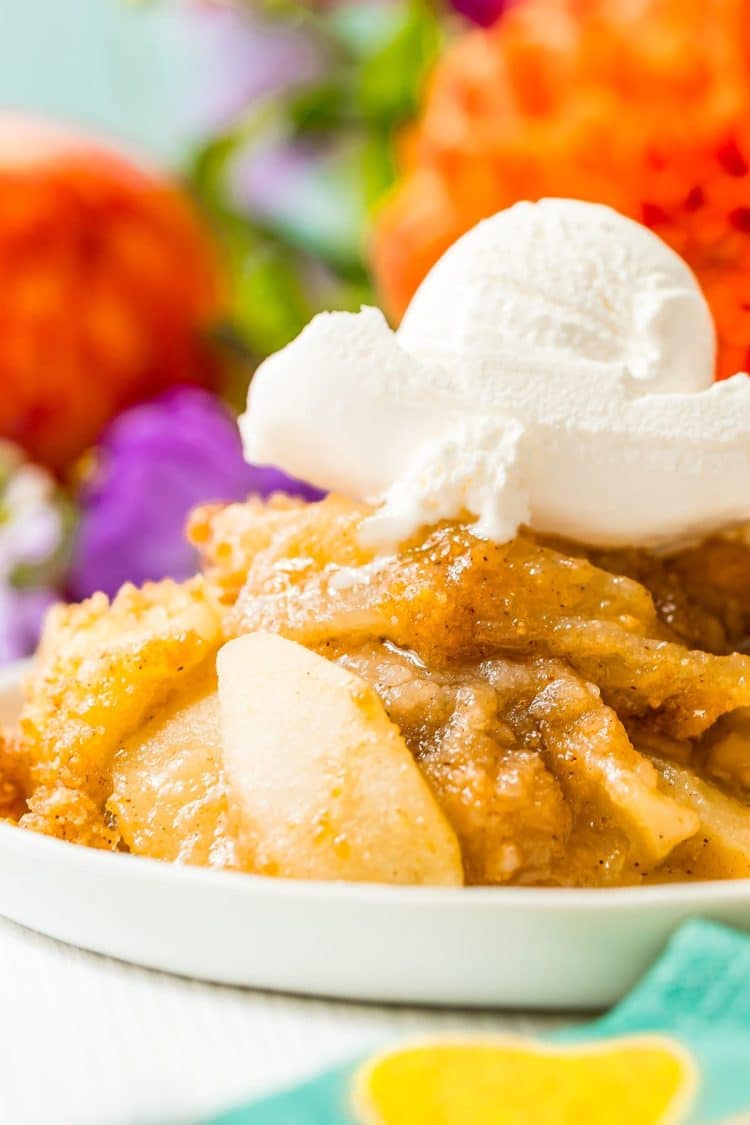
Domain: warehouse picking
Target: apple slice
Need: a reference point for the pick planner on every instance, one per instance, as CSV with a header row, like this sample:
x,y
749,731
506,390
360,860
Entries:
x,y
167,782
320,783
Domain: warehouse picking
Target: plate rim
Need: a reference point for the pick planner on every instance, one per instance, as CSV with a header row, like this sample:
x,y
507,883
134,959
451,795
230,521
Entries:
x,y
377,894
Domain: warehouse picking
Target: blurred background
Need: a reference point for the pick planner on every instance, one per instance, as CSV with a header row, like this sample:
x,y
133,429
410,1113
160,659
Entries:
x,y
184,183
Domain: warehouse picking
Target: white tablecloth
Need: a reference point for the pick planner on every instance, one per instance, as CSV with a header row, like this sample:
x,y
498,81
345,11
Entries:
x,y
91,1041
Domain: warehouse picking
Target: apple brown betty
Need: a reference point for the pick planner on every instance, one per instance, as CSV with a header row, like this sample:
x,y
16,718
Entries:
x,y
580,717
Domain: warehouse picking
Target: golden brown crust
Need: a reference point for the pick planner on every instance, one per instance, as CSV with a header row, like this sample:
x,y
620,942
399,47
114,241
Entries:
x,y
69,814
101,668
15,779
454,598
230,537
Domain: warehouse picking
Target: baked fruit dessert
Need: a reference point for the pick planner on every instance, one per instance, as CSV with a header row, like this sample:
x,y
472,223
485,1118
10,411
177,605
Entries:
x,y
570,717
469,677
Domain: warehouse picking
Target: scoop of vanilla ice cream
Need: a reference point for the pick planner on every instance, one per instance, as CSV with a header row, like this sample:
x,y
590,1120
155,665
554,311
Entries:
x,y
555,369
545,286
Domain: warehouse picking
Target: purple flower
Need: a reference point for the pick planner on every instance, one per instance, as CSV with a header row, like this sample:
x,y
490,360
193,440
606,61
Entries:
x,y
481,12
277,179
238,56
301,188
156,462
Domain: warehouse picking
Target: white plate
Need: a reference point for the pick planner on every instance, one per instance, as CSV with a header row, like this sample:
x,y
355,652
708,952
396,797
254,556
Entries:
x,y
508,947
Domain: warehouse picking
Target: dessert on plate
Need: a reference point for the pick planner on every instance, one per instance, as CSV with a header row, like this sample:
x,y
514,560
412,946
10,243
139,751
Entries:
x,y
507,648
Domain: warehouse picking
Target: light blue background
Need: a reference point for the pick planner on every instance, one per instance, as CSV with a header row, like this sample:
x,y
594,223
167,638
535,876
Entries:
x,y
120,66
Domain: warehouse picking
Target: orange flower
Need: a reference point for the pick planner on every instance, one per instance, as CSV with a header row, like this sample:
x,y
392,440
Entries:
x,y
107,286
641,104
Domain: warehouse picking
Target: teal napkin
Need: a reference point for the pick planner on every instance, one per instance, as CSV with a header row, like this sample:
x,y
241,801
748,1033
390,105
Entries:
x,y
697,993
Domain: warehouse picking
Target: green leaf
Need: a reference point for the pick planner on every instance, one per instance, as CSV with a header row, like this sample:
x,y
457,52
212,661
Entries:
x,y
269,304
377,166
319,108
390,80
309,251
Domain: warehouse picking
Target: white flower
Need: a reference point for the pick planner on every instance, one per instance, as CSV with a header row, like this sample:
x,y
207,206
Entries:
x,y
30,521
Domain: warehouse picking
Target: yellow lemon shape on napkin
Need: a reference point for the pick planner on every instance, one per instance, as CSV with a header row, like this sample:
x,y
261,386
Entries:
x,y
638,1080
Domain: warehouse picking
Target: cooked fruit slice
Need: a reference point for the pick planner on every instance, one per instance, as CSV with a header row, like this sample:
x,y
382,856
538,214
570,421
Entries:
x,y
590,752
726,751
508,811
168,793
683,691
721,847
320,782
511,1081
